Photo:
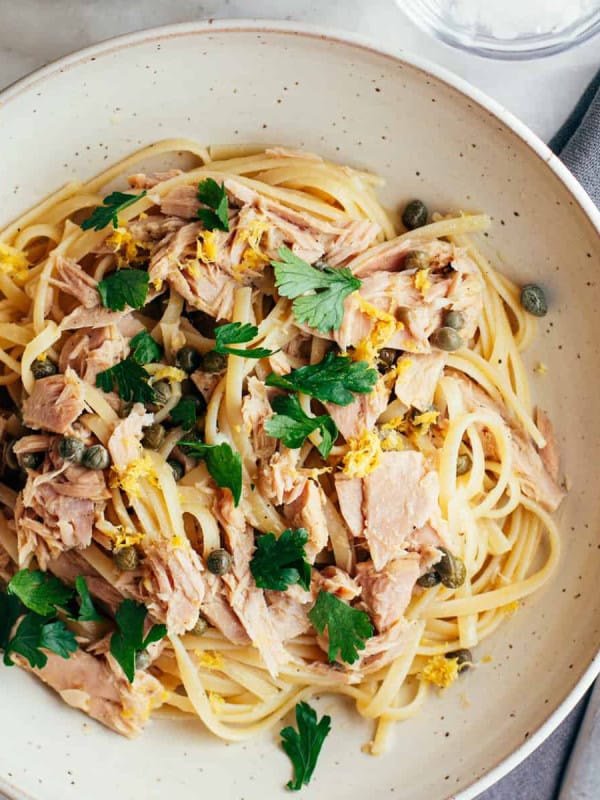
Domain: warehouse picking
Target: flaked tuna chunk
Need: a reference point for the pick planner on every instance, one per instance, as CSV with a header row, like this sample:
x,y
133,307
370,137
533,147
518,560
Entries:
x,y
280,478
218,612
245,598
289,611
536,481
56,512
97,317
172,586
362,413
256,409
69,565
310,237
389,256
72,279
7,565
205,286
34,443
92,350
336,581
151,229
549,453
387,592
418,379
392,505
55,403
142,181
97,686
181,201
124,444
308,511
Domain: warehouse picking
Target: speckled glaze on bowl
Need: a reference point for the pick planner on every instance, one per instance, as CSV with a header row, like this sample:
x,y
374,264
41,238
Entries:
x,y
431,136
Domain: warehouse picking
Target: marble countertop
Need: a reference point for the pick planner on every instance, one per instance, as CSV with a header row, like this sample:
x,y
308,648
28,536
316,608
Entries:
x,y
541,92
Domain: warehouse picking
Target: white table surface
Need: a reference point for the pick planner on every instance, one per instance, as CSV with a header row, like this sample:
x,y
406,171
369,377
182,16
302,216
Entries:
x,y
541,93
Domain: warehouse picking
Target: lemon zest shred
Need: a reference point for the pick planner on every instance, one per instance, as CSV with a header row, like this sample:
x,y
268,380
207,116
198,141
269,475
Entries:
x,y
383,330
128,477
209,659
440,671
422,282
363,456
541,368
207,250
14,263
171,374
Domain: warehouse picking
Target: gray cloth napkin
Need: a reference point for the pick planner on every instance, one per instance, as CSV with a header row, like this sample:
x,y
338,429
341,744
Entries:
x,y
540,776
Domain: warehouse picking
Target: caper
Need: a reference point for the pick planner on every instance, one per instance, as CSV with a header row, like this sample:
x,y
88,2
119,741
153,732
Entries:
x,y
142,659
200,626
218,561
187,359
416,259
213,362
534,300
126,558
8,454
95,457
454,319
387,358
162,392
451,570
463,464
71,449
154,436
463,657
446,339
177,467
429,579
43,368
415,215
30,460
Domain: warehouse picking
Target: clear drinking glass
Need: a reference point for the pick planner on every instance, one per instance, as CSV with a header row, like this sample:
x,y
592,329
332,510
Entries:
x,y
508,29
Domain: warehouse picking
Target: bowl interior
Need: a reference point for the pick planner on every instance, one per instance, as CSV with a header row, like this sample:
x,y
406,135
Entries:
x,y
429,140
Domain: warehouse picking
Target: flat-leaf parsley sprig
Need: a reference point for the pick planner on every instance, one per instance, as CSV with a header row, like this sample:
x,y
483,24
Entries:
x,y
278,563
347,628
304,745
324,309
333,380
223,463
213,196
236,333
292,425
129,640
108,212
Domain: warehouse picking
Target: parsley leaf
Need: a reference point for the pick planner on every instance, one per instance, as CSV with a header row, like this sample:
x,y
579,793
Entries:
x,y
185,413
87,610
223,463
347,627
125,287
236,333
39,591
331,380
213,196
131,379
128,640
303,746
144,350
323,310
108,212
10,611
56,637
292,425
277,563
33,633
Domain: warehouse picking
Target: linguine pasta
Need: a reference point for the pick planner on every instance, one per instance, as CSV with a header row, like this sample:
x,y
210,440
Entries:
x,y
444,451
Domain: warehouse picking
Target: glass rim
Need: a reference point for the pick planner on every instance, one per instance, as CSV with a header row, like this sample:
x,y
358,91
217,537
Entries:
x,y
522,47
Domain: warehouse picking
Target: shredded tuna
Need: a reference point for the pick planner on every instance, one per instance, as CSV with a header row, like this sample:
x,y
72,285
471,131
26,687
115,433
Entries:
x,y
124,444
388,592
55,403
96,685
362,413
308,511
93,350
72,279
417,380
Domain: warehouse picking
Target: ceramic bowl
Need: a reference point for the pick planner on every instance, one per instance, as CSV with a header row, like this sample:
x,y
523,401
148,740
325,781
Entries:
x,y
431,136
